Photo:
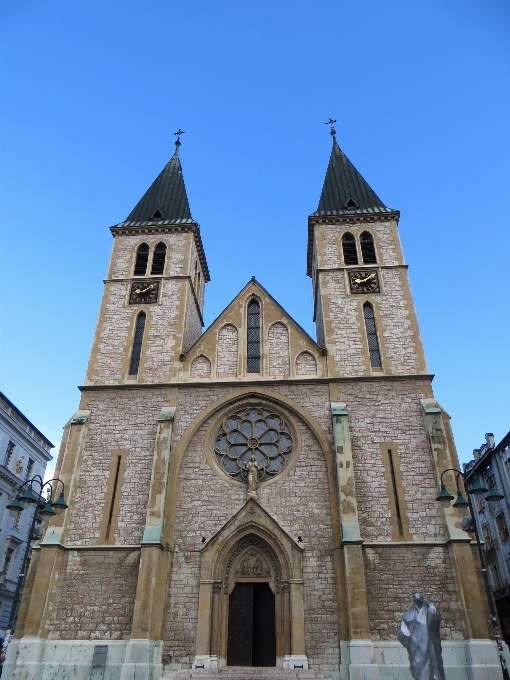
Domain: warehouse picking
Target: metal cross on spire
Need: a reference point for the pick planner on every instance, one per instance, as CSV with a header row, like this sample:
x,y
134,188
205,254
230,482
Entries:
x,y
178,140
331,122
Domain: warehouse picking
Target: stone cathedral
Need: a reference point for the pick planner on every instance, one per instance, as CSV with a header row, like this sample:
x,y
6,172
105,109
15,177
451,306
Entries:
x,y
247,501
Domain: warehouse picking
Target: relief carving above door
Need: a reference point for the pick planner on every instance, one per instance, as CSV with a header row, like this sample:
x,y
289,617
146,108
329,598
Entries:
x,y
252,565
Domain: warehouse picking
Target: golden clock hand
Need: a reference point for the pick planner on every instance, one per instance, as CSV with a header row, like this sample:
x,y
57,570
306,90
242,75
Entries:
x,y
139,291
370,276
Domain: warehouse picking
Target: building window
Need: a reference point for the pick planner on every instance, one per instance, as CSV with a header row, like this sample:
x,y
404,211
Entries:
x,y
496,580
8,453
502,526
349,249
373,343
17,520
366,241
158,261
30,467
253,337
137,344
9,553
142,258
487,537
257,432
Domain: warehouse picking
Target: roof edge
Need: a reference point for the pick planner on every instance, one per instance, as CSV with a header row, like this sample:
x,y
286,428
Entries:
x,y
20,413
254,280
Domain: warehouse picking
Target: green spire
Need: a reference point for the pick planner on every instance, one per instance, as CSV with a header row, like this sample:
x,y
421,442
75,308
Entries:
x,y
345,191
165,202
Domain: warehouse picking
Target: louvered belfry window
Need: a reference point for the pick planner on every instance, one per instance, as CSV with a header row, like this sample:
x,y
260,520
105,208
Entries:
x,y
253,337
158,261
142,257
137,344
366,241
349,248
373,343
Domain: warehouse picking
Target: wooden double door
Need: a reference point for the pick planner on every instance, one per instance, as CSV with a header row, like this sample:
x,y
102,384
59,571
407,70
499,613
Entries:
x,y
251,626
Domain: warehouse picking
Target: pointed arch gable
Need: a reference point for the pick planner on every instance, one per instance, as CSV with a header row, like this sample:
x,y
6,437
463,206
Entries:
x,y
229,401
251,526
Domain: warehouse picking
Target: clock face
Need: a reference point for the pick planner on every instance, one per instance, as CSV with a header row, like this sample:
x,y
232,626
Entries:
x,y
364,281
144,292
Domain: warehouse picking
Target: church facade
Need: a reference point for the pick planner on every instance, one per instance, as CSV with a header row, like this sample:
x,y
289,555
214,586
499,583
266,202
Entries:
x,y
248,496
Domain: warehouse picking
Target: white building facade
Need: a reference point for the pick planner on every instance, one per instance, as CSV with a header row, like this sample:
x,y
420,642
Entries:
x,y
24,452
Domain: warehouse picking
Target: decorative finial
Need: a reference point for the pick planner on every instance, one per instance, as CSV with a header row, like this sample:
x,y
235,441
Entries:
x,y
331,122
178,140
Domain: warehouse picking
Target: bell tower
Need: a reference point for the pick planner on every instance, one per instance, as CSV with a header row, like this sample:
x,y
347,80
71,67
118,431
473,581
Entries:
x,y
363,307
151,311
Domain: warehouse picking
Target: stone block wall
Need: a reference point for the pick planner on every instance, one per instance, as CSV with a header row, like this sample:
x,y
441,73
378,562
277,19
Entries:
x,y
340,314
95,596
200,368
306,364
206,502
109,360
193,324
384,411
227,352
279,358
172,325
379,411
120,420
393,574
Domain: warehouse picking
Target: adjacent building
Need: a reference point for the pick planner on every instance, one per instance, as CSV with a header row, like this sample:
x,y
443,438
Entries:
x,y
494,524
24,452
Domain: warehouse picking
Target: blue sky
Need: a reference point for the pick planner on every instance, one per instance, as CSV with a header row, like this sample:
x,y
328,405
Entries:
x,y
92,92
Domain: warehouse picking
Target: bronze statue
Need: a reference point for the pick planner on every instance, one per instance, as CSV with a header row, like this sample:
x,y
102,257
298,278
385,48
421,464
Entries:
x,y
419,633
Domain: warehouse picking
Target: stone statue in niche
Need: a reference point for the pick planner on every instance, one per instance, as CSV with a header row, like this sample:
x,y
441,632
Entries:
x,y
419,633
252,472
19,465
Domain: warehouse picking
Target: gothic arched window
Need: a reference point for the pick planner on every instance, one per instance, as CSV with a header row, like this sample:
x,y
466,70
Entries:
x,y
142,257
137,344
349,249
158,261
373,343
366,241
253,348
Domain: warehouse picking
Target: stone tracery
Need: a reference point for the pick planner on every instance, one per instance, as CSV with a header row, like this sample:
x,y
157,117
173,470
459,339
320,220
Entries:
x,y
253,431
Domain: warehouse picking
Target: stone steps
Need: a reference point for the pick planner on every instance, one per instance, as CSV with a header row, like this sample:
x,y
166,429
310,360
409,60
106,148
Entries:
x,y
241,673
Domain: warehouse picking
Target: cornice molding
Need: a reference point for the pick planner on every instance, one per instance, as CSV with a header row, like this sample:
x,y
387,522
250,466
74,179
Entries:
x,y
258,383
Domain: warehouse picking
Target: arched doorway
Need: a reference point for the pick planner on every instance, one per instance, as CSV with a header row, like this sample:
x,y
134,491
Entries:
x,y
251,625
251,595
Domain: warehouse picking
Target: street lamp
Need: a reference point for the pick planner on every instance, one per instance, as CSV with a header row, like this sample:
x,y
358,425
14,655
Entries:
x,y
24,499
477,490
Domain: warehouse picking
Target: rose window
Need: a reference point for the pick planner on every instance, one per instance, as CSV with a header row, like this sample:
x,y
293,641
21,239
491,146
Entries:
x,y
256,431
